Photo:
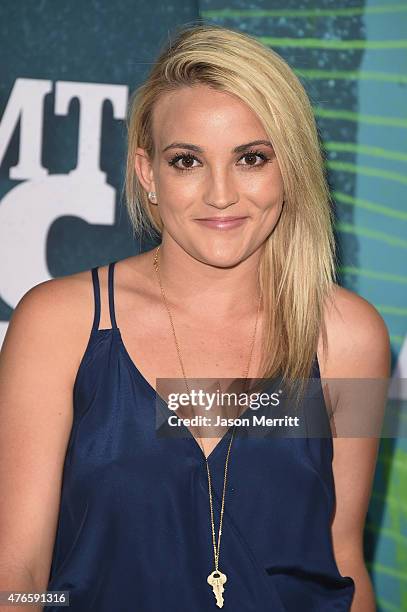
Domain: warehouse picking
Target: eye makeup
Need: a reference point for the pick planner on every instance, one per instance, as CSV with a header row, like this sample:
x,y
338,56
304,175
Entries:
x,y
189,157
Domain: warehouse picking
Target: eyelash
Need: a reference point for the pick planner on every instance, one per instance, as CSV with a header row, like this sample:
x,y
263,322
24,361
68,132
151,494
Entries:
x,y
179,156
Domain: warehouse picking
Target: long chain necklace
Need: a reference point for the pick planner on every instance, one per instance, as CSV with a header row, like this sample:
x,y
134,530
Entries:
x,y
216,579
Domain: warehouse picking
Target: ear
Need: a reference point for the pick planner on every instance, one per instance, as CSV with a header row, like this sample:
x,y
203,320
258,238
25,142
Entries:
x,y
144,169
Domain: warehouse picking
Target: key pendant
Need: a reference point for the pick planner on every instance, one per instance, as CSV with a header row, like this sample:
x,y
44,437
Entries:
x,y
216,579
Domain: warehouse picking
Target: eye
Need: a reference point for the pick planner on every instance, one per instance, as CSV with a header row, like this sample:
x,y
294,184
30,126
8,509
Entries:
x,y
184,158
251,155
187,159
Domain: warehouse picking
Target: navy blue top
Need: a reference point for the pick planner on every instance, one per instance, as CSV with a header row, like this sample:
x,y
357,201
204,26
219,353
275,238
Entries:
x,y
134,530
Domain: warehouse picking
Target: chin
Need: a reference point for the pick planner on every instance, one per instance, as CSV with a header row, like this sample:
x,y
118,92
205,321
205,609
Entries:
x,y
221,258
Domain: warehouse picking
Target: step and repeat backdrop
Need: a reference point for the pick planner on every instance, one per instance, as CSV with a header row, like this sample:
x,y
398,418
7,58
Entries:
x,y
67,70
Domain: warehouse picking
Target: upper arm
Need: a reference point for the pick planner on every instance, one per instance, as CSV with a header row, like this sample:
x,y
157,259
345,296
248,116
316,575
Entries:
x,y
38,363
359,347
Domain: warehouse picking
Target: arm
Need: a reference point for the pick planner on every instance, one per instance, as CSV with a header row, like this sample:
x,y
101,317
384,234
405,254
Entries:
x,y
353,465
38,363
358,347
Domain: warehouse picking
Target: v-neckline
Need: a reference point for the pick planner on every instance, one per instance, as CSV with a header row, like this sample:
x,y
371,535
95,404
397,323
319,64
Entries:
x,y
164,403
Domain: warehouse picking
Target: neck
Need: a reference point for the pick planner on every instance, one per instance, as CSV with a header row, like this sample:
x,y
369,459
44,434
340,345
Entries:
x,y
205,289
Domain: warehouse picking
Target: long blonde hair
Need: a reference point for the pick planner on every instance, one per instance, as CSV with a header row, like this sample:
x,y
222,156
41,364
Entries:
x,y
297,269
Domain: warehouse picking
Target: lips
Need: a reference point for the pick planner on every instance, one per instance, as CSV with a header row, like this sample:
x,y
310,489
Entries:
x,y
220,218
222,223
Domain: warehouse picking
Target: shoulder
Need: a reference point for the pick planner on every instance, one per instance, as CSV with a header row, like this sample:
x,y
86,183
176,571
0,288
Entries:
x,y
51,324
62,309
53,302
70,299
358,338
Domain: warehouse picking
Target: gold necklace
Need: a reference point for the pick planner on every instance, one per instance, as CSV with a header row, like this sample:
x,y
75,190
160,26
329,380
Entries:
x,y
216,579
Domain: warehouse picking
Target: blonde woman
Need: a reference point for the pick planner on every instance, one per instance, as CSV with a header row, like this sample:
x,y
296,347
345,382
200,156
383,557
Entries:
x,y
224,164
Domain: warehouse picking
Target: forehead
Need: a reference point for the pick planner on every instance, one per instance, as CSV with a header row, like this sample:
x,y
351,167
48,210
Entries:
x,y
203,115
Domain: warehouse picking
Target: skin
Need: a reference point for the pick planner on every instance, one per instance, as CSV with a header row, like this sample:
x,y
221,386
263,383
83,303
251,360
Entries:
x,y
209,280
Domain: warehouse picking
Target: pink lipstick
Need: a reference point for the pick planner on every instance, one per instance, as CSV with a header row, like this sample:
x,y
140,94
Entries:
x,y
222,223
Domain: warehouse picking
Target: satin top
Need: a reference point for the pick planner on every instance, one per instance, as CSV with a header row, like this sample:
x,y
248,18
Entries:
x,y
134,530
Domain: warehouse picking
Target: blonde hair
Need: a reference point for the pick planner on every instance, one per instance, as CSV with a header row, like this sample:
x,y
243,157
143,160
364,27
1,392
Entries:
x,y
297,269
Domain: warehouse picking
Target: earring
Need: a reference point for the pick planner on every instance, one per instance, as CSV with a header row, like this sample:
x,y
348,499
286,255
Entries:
x,y
152,195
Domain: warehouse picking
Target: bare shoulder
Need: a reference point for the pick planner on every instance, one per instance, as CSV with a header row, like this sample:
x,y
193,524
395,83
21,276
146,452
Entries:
x,y
53,297
66,304
358,338
56,316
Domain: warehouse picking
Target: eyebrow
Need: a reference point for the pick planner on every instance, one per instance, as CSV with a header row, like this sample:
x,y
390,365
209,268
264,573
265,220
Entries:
x,y
239,149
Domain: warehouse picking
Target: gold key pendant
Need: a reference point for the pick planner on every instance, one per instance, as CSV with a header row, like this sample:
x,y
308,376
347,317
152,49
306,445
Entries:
x,y
216,579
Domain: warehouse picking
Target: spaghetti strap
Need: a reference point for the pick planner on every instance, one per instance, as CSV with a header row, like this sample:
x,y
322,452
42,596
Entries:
x,y
96,293
111,295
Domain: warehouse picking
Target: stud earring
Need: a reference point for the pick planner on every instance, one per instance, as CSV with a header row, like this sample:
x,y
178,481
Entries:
x,y
152,195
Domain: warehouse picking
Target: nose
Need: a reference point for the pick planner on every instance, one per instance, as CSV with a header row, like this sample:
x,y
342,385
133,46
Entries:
x,y
220,191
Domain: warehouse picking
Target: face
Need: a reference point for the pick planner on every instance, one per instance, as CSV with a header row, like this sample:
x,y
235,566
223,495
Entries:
x,y
209,166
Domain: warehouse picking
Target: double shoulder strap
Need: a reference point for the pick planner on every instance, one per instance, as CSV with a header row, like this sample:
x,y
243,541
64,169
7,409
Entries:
x,y
96,293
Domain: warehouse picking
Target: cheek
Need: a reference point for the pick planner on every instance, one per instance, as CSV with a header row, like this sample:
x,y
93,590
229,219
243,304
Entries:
x,y
267,199
266,188
179,189
174,207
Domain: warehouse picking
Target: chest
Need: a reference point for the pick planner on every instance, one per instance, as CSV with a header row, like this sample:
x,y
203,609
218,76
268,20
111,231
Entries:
x,y
201,349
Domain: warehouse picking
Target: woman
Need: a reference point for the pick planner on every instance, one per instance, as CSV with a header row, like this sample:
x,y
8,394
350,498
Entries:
x,y
224,163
